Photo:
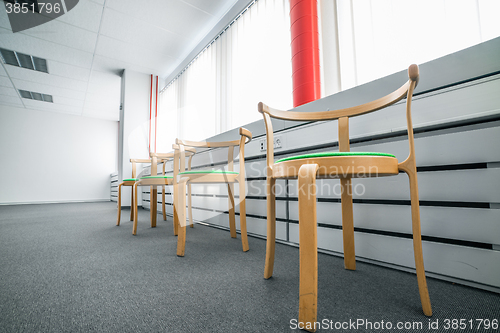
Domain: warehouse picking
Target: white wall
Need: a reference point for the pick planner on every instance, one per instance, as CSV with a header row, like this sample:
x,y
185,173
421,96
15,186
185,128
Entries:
x,y
51,157
134,125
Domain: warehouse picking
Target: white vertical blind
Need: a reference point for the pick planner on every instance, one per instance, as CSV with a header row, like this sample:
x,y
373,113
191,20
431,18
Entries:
x,y
197,112
248,63
261,61
251,60
167,121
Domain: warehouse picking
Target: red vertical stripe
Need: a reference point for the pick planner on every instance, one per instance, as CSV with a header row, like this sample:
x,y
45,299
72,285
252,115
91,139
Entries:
x,y
150,110
156,111
305,51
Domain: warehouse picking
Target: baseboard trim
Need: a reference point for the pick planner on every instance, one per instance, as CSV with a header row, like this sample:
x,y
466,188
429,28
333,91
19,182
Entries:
x,y
51,202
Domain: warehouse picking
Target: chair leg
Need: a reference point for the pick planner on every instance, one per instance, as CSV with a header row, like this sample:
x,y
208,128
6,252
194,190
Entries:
x,y
163,203
347,224
134,228
119,203
271,227
232,223
181,209
132,204
243,216
190,210
175,188
417,244
153,205
308,247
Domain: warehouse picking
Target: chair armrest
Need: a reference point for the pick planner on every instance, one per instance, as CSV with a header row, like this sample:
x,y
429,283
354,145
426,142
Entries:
x,y
140,160
162,155
246,133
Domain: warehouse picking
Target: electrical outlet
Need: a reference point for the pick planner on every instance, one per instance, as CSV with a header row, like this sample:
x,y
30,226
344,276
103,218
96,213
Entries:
x,y
278,143
263,145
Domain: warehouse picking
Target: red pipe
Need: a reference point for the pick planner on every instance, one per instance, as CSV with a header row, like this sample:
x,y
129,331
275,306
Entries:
x,y
305,51
156,111
150,110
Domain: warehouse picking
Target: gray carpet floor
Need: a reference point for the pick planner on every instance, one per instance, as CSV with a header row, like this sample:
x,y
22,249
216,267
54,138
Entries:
x,y
68,268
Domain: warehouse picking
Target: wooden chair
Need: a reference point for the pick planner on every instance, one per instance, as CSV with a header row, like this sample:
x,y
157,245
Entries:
x,y
155,180
129,182
342,165
185,178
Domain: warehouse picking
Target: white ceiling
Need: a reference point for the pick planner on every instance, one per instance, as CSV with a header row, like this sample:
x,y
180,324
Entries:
x,y
88,47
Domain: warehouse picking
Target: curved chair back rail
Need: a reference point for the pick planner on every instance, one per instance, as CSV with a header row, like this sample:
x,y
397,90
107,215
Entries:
x,y
207,144
184,179
181,147
155,180
405,91
335,165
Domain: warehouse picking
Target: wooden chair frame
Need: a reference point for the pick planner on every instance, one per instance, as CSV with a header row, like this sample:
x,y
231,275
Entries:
x,y
157,158
308,169
183,180
129,183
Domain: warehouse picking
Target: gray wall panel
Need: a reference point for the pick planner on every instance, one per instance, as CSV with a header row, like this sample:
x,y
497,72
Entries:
x,y
476,265
480,185
472,224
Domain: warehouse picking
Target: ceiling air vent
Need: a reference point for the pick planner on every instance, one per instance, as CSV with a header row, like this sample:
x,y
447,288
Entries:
x,y
47,98
40,64
24,60
9,57
36,96
25,94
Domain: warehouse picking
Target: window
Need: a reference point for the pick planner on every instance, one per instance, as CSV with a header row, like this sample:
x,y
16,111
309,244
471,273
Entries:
x,y
379,37
249,62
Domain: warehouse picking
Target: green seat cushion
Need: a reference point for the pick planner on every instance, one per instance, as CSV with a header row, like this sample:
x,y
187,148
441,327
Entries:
x,y
157,177
130,180
299,157
208,172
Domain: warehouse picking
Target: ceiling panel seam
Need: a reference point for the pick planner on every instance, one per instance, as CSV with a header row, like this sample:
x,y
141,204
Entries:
x,y
17,91
50,85
146,22
201,10
93,56
55,43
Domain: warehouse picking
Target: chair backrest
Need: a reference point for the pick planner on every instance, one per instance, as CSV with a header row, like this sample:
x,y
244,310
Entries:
x,y
406,90
184,145
134,162
157,158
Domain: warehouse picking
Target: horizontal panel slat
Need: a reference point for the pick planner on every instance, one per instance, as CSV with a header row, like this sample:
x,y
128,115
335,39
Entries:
x,y
214,203
463,102
435,148
259,227
259,207
472,224
444,149
480,185
478,265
